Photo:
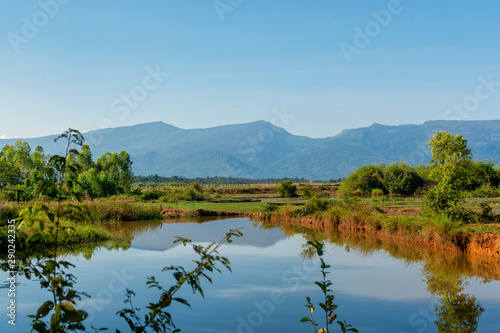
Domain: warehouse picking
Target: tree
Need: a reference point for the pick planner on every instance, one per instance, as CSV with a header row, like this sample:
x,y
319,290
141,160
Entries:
x,y
85,158
90,183
400,178
287,189
451,164
115,172
457,311
15,161
33,183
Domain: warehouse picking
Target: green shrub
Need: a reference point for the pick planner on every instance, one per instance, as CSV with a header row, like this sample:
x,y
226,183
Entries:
x,y
312,206
485,191
136,191
482,173
363,181
376,193
270,208
192,193
286,210
444,224
400,178
9,211
151,194
424,172
287,189
487,215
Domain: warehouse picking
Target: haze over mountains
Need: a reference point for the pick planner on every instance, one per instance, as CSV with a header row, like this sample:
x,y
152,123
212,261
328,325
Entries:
x,y
262,150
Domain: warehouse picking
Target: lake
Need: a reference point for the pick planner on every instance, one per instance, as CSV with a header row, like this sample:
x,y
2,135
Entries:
x,y
379,286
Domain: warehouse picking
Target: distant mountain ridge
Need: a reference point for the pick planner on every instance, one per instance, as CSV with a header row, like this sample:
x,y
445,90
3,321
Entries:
x,y
262,150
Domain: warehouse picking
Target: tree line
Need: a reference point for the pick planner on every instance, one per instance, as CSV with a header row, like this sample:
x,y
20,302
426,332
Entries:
x,y
32,171
400,178
152,180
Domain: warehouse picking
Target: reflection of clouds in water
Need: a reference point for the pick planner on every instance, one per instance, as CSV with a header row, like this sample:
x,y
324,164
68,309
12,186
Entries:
x,y
370,284
483,291
205,233
258,291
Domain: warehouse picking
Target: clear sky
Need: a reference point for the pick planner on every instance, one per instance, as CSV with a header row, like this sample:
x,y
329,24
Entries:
x,y
328,64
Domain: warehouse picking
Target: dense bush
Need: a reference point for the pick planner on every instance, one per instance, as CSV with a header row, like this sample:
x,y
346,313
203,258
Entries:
x,y
400,178
482,173
363,181
151,194
287,189
485,191
312,206
424,171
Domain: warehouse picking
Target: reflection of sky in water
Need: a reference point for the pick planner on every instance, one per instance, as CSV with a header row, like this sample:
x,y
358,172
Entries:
x,y
266,290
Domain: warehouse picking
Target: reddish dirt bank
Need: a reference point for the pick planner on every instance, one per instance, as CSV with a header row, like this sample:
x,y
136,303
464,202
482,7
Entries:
x,y
470,243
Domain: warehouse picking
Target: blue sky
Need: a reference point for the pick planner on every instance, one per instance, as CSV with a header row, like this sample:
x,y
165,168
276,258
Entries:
x,y
88,64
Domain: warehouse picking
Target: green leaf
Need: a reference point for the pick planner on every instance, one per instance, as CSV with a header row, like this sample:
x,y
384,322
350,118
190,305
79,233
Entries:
x,y
39,327
67,306
305,319
321,285
44,309
50,265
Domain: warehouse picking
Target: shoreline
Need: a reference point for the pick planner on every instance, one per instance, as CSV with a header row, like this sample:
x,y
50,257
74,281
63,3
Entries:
x,y
467,242
464,242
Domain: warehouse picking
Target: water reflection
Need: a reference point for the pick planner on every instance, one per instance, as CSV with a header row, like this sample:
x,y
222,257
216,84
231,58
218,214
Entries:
x,y
457,311
266,253
445,274
434,260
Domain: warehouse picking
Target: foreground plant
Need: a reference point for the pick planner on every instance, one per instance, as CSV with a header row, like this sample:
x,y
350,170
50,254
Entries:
x,y
46,267
158,319
327,306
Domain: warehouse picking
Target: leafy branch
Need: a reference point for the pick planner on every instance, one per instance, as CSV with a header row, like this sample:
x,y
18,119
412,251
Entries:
x,y
158,318
327,305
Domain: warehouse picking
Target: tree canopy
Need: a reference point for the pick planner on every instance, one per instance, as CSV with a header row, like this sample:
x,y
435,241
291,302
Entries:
x,y
451,165
110,174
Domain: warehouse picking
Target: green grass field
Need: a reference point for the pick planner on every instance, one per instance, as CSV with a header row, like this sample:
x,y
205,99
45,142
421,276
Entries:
x,y
228,207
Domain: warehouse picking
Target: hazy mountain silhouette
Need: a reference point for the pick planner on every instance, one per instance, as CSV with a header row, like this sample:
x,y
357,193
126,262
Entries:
x,y
262,150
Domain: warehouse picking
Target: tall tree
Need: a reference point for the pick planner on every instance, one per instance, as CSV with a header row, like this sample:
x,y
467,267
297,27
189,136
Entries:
x,y
451,163
85,158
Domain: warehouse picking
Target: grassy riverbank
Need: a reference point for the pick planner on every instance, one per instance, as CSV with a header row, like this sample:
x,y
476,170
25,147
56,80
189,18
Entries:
x,y
89,230
395,217
389,220
96,211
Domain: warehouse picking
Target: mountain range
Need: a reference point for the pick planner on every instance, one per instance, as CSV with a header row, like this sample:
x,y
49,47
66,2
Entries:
x,y
261,150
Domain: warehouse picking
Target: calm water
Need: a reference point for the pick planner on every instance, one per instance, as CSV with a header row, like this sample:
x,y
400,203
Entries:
x,y
380,287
